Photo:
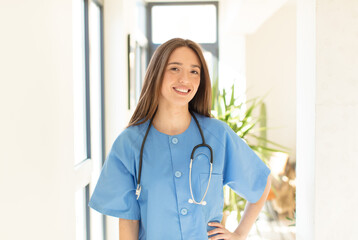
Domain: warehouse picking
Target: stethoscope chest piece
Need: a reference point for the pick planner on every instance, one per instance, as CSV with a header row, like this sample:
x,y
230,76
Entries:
x,y
192,201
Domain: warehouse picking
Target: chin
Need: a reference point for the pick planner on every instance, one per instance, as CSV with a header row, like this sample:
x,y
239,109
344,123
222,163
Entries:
x,y
180,103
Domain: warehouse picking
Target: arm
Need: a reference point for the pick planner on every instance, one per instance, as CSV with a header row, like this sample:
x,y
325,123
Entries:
x,y
128,229
252,211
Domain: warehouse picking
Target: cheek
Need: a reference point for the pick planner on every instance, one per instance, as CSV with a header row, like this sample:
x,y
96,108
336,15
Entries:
x,y
165,84
197,83
163,90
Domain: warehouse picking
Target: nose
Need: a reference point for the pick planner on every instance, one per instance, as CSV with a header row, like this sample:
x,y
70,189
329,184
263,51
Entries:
x,y
184,77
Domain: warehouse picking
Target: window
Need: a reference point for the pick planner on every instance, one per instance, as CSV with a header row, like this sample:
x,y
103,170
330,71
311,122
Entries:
x,y
197,21
88,112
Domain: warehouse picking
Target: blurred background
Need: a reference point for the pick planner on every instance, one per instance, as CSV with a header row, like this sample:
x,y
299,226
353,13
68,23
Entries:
x,y
71,72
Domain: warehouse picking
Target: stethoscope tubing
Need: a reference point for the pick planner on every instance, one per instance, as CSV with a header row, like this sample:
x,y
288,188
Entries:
x,y
192,200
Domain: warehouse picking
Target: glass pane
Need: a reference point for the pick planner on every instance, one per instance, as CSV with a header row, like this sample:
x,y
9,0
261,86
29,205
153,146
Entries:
x,y
95,48
209,58
79,82
94,20
195,22
95,83
80,202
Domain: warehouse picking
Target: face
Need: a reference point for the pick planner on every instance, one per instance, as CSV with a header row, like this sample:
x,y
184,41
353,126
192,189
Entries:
x,y
181,78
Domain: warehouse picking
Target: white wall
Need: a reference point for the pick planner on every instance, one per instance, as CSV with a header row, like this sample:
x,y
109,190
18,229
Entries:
x,y
327,115
258,53
336,119
271,69
36,102
115,55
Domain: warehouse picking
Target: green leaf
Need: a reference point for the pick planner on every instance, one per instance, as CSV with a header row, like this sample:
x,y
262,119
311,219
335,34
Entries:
x,y
232,99
271,142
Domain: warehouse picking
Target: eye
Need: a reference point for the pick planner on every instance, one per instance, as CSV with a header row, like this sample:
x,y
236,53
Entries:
x,y
174,69
195,72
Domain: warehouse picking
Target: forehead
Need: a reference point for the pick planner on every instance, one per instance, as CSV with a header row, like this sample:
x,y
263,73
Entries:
x,y
184,55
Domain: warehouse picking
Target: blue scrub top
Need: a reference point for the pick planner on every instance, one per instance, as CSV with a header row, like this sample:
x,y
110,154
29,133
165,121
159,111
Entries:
x,y
163,208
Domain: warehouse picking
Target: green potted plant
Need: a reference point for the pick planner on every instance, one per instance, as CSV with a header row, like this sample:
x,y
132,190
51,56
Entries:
x,y
239,115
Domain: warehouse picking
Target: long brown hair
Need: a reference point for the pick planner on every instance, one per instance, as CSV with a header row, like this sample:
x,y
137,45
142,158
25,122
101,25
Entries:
x,y
149,97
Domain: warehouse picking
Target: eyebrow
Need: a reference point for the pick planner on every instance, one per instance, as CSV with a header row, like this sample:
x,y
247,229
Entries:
x,y
178,63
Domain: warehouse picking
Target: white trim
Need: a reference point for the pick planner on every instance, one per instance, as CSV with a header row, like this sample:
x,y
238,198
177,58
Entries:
x,y
306,120
82,174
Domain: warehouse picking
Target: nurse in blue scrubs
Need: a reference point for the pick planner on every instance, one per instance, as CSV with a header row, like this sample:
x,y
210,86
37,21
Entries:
x,y
154,182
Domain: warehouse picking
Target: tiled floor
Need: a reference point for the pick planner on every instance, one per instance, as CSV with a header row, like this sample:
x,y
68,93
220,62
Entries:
x,y
266,227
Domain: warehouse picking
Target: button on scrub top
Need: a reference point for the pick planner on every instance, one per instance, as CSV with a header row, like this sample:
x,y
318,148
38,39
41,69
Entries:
x,y
163,208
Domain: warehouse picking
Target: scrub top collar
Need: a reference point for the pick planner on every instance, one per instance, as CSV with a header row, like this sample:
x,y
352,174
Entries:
x,y
187,132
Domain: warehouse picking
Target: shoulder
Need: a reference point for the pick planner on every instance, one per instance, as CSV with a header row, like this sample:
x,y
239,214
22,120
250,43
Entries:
x,y
210,122
129,138
125,146
218,128
132,133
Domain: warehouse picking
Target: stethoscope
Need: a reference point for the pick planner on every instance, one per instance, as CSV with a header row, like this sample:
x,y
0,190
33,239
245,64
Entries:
x,y
191,200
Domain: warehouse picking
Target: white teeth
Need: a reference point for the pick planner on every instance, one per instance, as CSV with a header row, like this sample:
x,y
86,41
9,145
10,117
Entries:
x,y
182,90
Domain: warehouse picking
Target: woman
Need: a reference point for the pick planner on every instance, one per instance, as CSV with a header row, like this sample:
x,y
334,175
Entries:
x,y
166,195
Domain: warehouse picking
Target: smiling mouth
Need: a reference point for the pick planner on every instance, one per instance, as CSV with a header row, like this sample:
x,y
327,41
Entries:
x,y
182,90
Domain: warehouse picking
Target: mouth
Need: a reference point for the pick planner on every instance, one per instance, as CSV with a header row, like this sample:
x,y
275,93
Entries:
x,y
181,90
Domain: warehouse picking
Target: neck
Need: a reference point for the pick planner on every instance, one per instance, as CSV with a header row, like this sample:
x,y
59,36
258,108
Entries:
x,y
172,121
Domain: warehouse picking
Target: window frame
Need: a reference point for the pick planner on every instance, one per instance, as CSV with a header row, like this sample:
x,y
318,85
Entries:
x,y
84,169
